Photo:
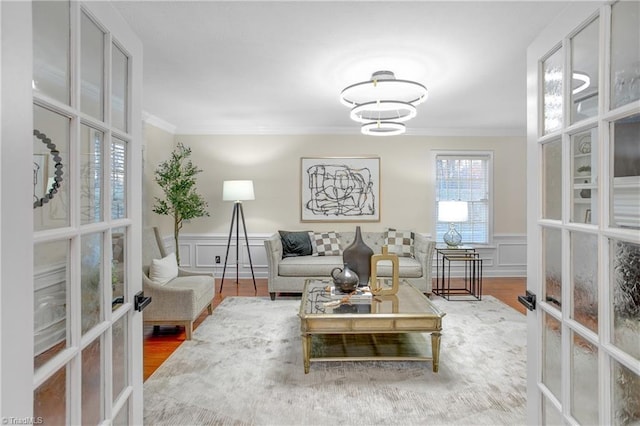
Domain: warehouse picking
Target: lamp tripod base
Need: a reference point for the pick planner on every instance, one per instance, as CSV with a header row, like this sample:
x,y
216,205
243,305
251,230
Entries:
x,y
236,216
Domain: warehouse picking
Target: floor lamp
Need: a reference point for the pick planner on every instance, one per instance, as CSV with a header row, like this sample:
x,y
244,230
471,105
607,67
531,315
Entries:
x,y
237,191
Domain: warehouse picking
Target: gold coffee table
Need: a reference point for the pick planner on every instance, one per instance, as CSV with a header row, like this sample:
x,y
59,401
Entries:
x,y
387,328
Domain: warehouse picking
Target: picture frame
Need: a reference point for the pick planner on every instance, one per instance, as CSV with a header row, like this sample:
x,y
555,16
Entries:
x,y
340,189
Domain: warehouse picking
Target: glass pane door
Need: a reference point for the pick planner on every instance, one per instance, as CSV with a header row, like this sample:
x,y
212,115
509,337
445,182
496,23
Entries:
x,y
86,331
584,229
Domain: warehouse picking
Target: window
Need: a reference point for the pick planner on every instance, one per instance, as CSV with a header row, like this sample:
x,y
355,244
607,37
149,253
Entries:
x,y
465,177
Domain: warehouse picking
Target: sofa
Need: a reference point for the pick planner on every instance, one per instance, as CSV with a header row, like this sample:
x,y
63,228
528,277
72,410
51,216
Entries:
x,y
287,274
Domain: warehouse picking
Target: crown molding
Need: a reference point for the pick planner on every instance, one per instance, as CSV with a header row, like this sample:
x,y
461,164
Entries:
x,y
158,122
351,131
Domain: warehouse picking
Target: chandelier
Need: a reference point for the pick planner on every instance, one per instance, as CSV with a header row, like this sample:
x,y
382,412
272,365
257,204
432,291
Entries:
x,y
383,103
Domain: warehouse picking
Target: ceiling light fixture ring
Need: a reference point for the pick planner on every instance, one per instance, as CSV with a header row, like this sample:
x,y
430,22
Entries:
x,y
584,79
383,111
383,128
383,85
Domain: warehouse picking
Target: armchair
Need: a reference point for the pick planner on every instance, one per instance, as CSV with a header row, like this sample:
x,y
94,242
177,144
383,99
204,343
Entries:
x,y
179,301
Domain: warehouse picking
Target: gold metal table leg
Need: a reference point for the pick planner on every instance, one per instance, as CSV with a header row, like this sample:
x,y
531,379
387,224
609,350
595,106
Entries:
x,y
435,350
306,352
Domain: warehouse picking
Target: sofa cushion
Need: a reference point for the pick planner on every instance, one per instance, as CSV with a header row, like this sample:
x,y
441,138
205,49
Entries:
x,y
328,244
309,266
201,285
399,243
164,270
295,243
408,266
321,266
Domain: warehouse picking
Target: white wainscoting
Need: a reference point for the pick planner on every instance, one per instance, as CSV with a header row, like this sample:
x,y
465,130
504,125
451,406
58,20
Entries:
x,y
50,307
506,257
198,253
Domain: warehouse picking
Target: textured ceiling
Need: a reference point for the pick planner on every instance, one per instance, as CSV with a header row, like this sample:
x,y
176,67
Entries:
x,y
269,67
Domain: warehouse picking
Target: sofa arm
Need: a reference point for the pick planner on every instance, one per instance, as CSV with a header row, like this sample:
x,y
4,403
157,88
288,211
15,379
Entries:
x,y
423,251
273,246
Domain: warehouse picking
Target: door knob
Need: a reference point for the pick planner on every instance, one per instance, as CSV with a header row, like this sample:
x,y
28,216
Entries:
x,y
140,301
528,300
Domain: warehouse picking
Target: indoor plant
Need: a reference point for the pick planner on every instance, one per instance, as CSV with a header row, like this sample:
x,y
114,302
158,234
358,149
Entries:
x,y
177,178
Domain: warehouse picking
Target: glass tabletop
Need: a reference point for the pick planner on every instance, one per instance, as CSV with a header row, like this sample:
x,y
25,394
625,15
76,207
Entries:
x,y
320,299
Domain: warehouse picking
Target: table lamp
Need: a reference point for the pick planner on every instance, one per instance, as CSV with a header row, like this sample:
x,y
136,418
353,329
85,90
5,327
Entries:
x,y
452,212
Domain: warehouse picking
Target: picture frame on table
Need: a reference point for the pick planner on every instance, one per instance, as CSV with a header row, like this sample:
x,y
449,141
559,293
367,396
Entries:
x,y
340,189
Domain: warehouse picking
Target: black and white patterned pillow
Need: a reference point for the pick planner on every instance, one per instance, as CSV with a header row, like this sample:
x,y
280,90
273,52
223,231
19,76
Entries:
x,y
327,244
399,242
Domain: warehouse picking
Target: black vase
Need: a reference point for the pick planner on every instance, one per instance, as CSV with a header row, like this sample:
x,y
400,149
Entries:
x,y
585,193
358,257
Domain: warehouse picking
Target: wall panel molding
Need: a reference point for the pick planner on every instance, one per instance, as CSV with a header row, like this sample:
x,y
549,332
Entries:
x,y
198,253
506,257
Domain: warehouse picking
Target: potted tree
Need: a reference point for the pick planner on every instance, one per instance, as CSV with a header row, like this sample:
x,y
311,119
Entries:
x,y
177,178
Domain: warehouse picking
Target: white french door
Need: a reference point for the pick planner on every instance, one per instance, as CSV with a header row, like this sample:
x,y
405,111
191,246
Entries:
x,y
584,217
80,144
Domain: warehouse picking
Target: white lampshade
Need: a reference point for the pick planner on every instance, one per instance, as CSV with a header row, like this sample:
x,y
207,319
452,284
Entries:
x,y
237,190
453,211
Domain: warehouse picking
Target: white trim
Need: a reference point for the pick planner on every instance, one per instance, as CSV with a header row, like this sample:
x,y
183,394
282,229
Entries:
x,y
355,130
16,272
1,257
158,122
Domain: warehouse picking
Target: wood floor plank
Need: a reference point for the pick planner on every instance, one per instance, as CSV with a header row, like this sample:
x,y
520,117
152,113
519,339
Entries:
x,y
159,346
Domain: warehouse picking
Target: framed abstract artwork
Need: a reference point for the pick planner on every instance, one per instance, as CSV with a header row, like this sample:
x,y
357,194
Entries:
x,y
340,189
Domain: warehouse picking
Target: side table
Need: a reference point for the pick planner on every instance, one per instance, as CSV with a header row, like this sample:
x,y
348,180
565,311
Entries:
x,y
472,272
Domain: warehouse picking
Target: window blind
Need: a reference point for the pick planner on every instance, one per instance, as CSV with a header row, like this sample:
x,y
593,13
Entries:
x,y
465,177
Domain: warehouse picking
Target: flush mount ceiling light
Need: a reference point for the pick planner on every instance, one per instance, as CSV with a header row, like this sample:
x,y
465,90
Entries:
x,y
383,103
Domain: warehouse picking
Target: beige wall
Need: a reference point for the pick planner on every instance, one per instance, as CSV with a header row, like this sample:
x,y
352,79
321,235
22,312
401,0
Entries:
x,y
273,163
157,146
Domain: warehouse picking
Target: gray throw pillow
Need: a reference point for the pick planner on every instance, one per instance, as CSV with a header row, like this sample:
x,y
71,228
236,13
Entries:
x,y
328,244
399,242
295,243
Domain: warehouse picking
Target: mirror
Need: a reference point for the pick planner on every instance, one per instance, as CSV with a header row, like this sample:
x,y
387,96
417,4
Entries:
x,y
46,182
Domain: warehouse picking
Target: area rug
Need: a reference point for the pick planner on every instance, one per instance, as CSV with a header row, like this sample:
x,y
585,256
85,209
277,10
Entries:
x,y
244,367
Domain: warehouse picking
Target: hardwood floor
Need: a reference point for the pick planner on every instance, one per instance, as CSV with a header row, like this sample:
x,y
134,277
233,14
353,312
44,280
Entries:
x,y
158,346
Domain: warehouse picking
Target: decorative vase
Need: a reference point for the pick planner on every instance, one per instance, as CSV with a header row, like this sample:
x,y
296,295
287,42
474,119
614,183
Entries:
x,y
344,279
358,257
585,193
